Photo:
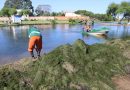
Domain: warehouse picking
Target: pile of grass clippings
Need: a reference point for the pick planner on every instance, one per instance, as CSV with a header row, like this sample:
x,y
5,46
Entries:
x,y
68,67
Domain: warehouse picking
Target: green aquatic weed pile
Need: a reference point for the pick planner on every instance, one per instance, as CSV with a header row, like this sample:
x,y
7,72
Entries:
x,y
68,67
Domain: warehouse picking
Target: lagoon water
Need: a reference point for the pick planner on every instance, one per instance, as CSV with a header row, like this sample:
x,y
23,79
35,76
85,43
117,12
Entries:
x,y
14,39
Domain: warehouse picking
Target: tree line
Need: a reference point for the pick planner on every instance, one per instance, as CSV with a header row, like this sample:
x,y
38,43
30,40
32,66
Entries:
x,y
102,17
114,11
119,11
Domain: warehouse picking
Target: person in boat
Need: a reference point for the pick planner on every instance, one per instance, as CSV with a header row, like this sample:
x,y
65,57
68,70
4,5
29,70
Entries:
x,y
87,28
92,22
35,41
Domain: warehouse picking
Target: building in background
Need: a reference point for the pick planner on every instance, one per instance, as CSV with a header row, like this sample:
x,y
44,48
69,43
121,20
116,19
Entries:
x,y
71,14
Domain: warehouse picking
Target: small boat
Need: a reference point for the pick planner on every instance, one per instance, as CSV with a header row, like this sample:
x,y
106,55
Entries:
x,y
101,31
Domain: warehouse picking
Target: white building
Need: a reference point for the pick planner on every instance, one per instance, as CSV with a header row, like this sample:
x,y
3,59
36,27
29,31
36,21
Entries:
x,y
17,18
72,15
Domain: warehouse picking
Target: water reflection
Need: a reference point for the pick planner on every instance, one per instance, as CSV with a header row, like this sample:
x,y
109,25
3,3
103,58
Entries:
x,y
120,31
45,27
14,40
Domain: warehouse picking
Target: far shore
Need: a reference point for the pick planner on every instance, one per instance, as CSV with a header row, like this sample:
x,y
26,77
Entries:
x,y
44,22
36,22
114,24
5,21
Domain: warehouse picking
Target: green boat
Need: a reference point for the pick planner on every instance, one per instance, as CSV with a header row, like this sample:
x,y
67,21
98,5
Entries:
x,y
100,31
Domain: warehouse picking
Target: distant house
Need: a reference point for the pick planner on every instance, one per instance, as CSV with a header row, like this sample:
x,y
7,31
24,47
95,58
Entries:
x,y
76,16
72,15
17,18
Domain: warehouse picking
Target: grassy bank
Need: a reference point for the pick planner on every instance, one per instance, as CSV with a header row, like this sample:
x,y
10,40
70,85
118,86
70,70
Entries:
x,y
38,22
44,22
70,67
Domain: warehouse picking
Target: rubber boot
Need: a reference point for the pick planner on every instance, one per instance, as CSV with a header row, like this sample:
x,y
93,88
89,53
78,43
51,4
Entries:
x,y
38,53
32,55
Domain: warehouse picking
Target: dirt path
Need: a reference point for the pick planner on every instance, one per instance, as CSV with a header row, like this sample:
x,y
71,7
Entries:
x,y
122,82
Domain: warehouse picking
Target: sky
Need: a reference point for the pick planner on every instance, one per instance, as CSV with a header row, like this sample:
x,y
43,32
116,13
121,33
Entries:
x,y
95,6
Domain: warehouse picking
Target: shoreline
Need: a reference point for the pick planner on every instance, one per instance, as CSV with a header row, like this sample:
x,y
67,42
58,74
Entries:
x,y
15,62
39,22
20,61
109,24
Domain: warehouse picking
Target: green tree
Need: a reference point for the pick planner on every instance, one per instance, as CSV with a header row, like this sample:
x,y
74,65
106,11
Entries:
x,y
119,10
5,12
12,11
19,4
25,12
8,12
58,14
124,10
61,14
112,10
84,12
0,13
103,17
54,14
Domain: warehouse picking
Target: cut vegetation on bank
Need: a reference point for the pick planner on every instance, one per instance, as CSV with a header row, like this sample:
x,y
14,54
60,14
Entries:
x,y
69,67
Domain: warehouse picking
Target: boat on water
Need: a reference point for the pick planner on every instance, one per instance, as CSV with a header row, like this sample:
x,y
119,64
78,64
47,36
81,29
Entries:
x,y
101,31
